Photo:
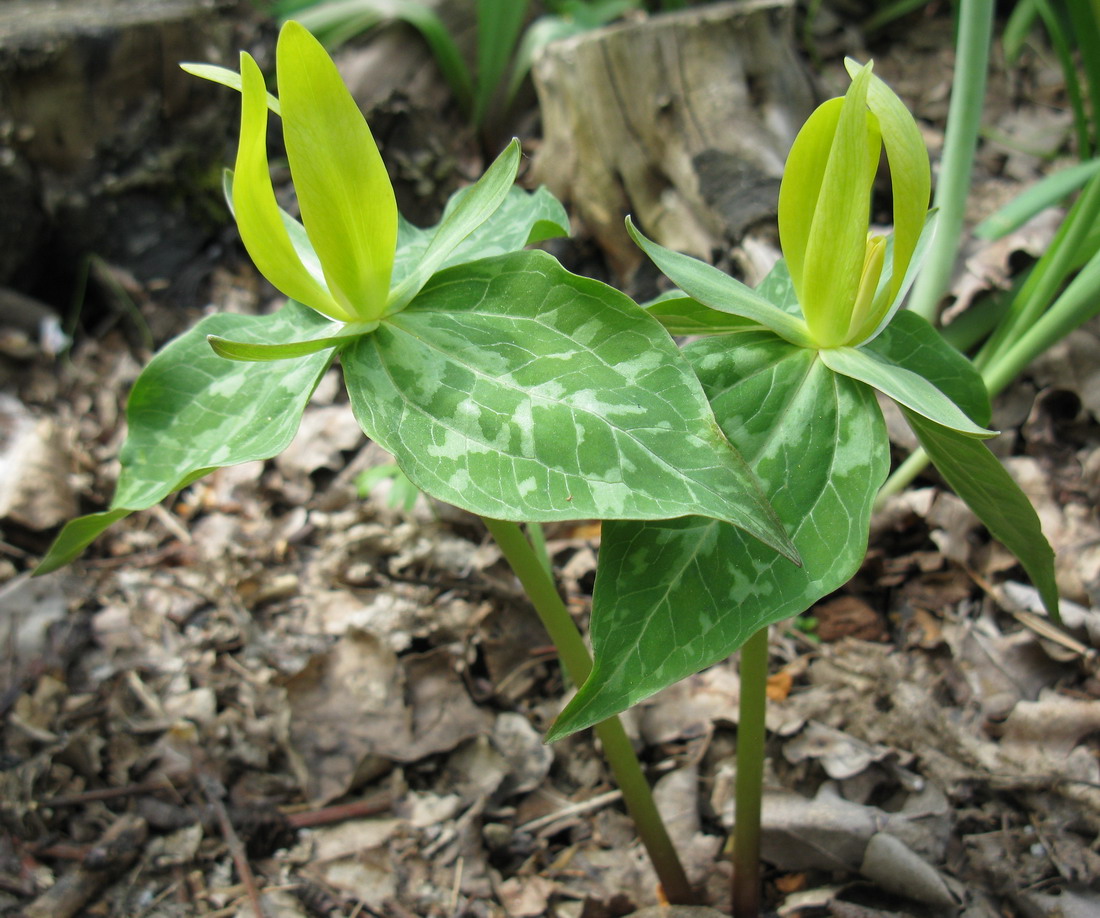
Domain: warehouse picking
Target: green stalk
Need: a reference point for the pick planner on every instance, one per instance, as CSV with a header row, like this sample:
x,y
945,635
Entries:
x,y
901,477
963,121
537,537
750,776
536,580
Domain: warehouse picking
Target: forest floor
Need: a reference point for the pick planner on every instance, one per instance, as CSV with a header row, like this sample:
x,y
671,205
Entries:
x,y
274,689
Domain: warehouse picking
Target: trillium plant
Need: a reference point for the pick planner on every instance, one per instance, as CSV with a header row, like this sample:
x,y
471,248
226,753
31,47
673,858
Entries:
x,y
735,476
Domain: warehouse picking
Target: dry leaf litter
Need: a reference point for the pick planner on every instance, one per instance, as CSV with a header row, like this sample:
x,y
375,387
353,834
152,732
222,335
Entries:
x,y
271,695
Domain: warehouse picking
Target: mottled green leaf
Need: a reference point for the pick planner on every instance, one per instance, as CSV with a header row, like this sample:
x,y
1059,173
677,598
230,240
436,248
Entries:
x,y
76,536
904,386
974,473
674,596
192,411
516,390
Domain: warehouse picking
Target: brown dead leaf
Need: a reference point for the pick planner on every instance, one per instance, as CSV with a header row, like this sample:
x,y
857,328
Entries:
x,y
35,490
848,617
842,756
1049,730
688,708
1000,669
357,707
790,882
779,685
526,897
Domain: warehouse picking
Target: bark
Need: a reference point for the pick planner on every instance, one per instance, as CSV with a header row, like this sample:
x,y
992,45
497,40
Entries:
x,y
106,146
683,120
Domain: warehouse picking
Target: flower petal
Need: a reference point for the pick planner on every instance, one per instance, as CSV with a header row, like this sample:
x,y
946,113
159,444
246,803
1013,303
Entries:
x,y
836,248
801,187
256,210
344,193
910,172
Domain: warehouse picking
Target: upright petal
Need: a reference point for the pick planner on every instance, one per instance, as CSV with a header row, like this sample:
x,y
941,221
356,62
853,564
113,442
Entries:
x,y
344,193
801,188
256,210
836,248
910,173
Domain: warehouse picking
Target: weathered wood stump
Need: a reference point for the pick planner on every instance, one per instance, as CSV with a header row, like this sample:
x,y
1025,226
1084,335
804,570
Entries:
x,y
103,139
683,120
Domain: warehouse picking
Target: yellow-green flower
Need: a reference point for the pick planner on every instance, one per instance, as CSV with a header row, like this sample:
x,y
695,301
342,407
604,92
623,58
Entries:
x,y
342,268
845,284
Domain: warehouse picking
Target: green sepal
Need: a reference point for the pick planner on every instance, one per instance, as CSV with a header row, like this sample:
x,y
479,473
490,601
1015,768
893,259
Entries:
x,y
719,291
225,77
911,342
682,315
902,385
259,353
465,213
523,218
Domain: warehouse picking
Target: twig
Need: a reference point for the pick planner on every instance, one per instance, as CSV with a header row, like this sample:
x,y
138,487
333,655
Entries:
x,y
379,803
105,793
115,851
585,806
212,791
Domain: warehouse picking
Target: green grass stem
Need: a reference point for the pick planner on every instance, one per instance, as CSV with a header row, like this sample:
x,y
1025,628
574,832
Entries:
x,y
750,776
963,123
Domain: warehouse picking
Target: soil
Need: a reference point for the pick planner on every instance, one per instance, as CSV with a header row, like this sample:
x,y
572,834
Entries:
x,y
275,695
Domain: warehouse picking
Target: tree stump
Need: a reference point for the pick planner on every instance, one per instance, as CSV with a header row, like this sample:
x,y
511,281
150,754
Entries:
x,y
106,146
683,120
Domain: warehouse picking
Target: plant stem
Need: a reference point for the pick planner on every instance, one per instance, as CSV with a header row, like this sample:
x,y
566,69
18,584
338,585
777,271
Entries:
x,y
750,776
537,537
902,477
963,121
536,580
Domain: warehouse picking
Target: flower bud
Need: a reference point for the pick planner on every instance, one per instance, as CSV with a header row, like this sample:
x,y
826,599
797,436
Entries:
x,y
847,288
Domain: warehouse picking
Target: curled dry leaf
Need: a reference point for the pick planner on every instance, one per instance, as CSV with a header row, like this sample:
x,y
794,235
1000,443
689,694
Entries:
x,y
842,756
357,707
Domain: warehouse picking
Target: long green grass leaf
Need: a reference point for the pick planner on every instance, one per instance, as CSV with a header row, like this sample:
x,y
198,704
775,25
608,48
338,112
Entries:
x,y
498,26
336,21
